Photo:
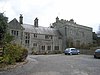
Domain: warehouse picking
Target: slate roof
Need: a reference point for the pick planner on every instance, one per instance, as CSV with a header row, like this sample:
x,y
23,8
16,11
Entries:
x,y
15,24
40,30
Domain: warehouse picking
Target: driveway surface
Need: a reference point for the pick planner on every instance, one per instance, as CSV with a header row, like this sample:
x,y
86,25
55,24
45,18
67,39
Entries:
x,y
59,64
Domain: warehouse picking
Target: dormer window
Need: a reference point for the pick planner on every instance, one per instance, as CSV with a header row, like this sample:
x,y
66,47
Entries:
x,y
35,35
48,36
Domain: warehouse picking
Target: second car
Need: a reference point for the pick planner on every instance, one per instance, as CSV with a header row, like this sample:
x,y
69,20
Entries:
x,y
71,51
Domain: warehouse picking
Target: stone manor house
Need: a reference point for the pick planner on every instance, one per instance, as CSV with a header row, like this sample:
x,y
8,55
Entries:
x,y
60,35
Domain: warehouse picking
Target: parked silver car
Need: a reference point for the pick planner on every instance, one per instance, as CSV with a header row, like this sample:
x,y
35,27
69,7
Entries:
x,y
97,53
71,51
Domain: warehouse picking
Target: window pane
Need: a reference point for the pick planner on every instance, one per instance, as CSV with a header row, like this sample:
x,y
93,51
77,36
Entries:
x,y
56,47
14,32
34,44
48,47
17,33
43,47
35,35
46,37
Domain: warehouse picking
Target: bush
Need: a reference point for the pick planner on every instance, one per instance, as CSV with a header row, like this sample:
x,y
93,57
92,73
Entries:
x,y
57,52
1,58
23,55
13,53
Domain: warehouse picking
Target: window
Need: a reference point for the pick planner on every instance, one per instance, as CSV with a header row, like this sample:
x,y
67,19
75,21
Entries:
x,y
43,47
14,32
59,37
35,35
27,35
56,47
48,37
17,33
34,44
48,47
27,42
27,38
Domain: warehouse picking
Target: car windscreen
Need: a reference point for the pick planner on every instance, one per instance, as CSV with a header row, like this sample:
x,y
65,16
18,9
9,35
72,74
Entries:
x,y
98,50
73,50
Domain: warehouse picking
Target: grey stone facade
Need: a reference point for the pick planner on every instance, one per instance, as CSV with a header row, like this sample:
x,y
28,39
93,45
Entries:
x,y
35,37
41,38
62,34
73,34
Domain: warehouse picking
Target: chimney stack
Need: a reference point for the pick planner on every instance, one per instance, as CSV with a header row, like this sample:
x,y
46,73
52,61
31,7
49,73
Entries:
x,y
57,19
36,22
21,19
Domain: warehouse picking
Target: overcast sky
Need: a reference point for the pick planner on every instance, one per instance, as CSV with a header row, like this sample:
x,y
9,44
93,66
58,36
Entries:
x,y
84,12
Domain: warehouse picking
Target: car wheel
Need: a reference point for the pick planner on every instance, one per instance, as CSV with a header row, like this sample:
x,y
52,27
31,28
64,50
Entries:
x,y
70,53
78,53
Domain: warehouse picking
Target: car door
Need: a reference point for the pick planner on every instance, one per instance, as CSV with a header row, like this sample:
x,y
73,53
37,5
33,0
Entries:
x,y
74,51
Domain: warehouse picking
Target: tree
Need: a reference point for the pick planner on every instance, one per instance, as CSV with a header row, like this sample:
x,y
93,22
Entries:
x,y
8,38
3,27
96,37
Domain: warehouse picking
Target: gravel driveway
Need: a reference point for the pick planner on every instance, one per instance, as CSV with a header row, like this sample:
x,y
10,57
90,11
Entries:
x,y
59,64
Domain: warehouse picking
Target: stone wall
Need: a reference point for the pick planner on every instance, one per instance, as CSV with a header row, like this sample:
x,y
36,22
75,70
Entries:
x,y
74,33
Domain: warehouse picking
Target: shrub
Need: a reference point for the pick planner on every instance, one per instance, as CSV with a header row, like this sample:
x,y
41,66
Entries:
x,y
13,53
22,55
1,51
1,58
57,52
7,59
34,51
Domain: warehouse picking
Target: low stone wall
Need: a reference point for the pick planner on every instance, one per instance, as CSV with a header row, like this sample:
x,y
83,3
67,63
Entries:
x,y
47,52
89,51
